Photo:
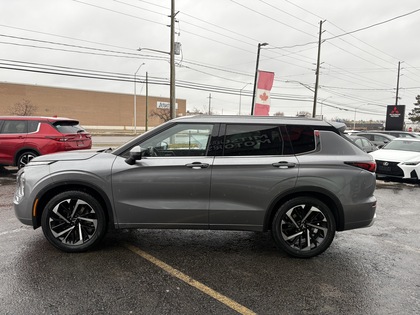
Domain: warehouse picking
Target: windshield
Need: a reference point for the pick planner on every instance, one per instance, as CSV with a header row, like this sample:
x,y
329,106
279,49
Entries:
x,y
405,145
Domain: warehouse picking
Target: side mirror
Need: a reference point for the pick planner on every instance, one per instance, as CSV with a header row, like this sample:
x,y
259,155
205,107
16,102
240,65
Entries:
x,y
135,156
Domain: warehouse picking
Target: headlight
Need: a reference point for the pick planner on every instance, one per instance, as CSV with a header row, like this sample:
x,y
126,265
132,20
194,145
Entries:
x,y
20,188
411,163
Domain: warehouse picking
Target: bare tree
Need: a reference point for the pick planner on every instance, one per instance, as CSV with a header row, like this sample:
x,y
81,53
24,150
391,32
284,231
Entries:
x,y
195,111
279,114
304,114
23,108
163,114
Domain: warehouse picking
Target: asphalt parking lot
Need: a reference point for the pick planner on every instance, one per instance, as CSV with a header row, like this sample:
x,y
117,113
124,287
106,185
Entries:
x,y
367,271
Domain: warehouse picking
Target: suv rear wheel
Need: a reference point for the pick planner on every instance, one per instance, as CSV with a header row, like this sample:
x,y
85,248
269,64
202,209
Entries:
x,y
24,158
303,227
73,221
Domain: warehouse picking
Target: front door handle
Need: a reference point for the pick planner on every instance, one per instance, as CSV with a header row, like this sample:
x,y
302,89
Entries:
x,y
284,164
197,165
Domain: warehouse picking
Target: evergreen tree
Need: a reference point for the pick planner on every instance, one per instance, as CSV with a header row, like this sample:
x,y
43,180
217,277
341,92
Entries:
x,y
414,116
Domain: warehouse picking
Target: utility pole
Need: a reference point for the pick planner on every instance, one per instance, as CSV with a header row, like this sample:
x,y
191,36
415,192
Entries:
x,y
209,103
147,103
398,83
135,98
172,99
317,69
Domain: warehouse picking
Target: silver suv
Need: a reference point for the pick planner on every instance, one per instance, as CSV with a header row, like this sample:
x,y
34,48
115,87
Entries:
x,y
299,178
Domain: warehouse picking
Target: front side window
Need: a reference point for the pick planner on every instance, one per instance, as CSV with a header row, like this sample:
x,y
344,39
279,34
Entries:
x,y
180,140
243,140
14,126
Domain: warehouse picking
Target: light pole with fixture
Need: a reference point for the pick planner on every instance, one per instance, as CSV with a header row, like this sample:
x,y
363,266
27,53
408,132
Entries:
x,y
135,98
354,119
256,75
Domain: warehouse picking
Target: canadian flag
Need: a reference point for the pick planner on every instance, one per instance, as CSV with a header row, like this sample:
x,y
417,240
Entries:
x,y
262,98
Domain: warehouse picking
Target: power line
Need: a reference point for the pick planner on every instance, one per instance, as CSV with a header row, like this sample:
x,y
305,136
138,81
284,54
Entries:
x,y
373,25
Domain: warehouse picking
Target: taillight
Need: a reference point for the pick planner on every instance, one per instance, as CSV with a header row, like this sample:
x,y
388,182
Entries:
x,y
368,166
59,139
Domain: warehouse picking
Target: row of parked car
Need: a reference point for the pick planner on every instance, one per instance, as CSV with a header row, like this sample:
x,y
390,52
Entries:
x,y
24,137
397,153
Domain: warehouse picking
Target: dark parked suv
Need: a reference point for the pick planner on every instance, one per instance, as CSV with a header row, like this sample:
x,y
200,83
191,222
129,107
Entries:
x,y
299,178
24,137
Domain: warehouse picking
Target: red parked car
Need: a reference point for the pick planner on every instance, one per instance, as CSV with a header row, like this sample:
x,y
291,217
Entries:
x,y
24,137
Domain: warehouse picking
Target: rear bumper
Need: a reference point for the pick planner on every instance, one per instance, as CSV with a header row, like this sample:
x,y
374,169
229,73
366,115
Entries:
x,y
360,216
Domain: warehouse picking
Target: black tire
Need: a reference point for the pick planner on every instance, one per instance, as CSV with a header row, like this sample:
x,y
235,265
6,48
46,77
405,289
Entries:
x,y
74,221
303,227
24,158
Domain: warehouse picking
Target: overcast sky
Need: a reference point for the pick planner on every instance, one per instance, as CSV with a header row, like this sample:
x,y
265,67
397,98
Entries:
x,y
100,38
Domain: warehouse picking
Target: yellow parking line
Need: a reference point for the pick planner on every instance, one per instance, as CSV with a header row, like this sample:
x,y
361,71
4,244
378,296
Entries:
x,y
187,279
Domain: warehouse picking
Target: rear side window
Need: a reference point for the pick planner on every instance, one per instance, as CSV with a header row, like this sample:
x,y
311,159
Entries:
x,y
252,140
68,126
302,138
33,126
14,126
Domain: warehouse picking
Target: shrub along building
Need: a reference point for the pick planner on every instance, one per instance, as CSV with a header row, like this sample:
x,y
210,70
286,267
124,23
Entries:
x,y
94,109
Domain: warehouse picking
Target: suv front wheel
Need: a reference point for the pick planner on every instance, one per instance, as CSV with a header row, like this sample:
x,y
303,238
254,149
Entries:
x,y
73,221
303,227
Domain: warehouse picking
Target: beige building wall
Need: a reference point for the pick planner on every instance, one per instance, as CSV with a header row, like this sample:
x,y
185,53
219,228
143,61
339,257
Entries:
x,y
93,109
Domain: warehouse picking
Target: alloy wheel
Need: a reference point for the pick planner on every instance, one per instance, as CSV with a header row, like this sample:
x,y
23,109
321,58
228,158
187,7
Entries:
x,y
73,222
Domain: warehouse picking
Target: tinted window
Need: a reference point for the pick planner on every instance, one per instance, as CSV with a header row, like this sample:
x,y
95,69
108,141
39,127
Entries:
x,y
14,126
302,138
252,140
68,126
32,126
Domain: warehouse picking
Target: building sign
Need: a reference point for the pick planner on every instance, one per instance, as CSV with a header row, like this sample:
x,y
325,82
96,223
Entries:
x,y
395,117
165,105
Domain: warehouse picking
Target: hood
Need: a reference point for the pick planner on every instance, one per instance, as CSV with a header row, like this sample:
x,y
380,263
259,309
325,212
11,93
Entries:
x,y
395,155
74,155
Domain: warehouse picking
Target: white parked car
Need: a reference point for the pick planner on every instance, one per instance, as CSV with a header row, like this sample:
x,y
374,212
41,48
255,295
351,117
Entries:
x,y
399,158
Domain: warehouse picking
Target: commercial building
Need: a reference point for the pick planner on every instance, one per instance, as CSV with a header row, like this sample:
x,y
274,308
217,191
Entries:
x,y
94,109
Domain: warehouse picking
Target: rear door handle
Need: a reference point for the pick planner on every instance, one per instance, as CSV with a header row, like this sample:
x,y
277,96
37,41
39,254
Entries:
x,y
197,165
284,164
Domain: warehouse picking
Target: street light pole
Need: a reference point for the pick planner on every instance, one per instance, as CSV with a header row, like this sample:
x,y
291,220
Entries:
x,y
240,97
354,119
135,98
256,75
172,60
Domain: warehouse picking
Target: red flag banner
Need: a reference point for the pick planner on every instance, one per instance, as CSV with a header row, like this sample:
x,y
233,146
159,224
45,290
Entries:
x,y
262,97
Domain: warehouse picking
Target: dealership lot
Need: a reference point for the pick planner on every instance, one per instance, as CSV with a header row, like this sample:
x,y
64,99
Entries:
x,y
367,271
